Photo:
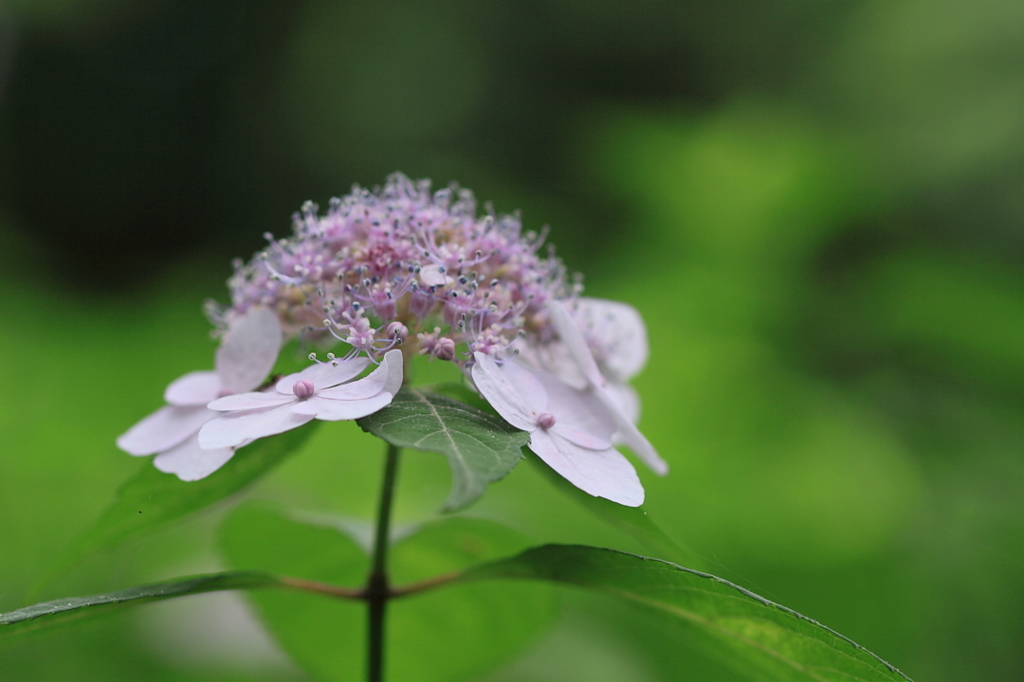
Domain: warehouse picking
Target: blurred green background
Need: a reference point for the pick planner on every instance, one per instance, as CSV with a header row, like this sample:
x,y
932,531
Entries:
x,y
817,207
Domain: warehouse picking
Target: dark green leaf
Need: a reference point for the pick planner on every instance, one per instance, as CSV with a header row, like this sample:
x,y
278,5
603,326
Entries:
x,y
480,448
53,613
152,499
452,634
777,642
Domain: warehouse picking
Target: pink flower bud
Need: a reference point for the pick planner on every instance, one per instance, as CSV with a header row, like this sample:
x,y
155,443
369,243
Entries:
x,y
397,330
444,349
545,420
303,389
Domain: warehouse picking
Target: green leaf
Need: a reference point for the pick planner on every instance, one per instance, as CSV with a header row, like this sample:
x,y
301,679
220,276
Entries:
x,y
776,643
480,448
459,632
53,613
453,634
152,499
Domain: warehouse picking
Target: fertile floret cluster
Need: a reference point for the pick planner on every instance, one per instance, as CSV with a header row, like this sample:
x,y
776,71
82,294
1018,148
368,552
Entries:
x,y
402,266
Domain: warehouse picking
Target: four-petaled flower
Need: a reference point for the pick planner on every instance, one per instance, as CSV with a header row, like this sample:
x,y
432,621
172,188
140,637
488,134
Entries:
x,y
569,428
323,391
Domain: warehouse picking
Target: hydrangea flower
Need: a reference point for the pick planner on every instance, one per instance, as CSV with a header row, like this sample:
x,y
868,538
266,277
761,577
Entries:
x,y
323,391
569,429
246,355
578,349
400,271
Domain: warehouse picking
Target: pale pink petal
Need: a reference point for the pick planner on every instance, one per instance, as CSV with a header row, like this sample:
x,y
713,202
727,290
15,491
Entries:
x,y
195,388
190,462
573,339
601,473
527,385
555,358
233,429
431,276
499,392
249,401
580,416
620,334
329,410
627,399
164,429
627,431
396,370
324,374
629,434
387,375
249,350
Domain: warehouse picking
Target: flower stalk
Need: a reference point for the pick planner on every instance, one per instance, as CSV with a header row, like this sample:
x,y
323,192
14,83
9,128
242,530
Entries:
x,y
377,588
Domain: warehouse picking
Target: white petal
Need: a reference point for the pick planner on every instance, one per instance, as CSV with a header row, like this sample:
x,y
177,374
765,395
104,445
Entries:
x,y
329,410
627,432
431,276
499,392
579,415
573,340
601,473
324,374
249,401
395,362
525,382
627,399
164,429
195,388
233,429
190,462
555,358
619,333
373,384
249,350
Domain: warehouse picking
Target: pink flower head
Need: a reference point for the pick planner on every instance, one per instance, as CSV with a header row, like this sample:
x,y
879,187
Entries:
x,y
322,391
403,266
569,429
245,357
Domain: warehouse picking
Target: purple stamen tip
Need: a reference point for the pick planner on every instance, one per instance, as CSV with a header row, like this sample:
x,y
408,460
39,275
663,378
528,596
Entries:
x,y
303,389
545,420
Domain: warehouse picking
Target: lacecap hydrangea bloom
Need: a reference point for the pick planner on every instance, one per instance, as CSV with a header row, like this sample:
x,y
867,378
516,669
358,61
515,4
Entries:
x,y
387,274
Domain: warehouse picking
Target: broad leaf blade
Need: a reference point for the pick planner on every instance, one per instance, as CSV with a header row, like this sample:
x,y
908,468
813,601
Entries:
x,y
778,642
152,499
54,613
480,448
452,634
460,632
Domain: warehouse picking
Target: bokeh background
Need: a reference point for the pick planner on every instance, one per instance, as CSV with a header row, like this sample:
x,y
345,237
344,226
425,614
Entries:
x,y
817,207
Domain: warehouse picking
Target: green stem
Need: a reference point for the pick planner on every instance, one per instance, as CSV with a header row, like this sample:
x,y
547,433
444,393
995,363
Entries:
x,y
377,588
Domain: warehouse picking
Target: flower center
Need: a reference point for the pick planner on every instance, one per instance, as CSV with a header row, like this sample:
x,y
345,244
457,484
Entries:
x,y
545,420
303,389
